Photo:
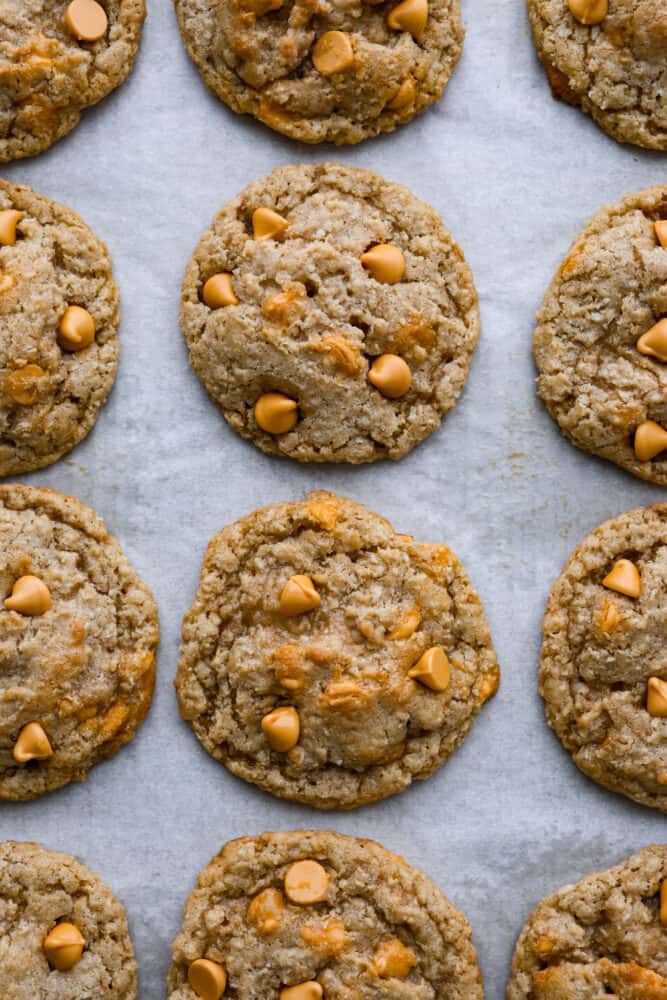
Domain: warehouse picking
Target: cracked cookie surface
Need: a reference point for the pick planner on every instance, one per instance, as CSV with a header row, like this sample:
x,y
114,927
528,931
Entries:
x,y
616,70
50,397
84,670
600,649
610,290
377,909
310,319
40,889
367,728
47,76
602,936
260,58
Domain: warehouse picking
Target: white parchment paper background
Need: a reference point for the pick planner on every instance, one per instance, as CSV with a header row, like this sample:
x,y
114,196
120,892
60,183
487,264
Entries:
x,y
515,176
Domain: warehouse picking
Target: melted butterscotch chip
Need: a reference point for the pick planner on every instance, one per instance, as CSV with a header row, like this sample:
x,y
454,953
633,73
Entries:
x,y
343,353
392,960
266,911
329,938
25,385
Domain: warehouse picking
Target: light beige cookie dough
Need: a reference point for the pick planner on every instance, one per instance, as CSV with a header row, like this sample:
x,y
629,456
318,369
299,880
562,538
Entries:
x,y
309,915
330,315
328,659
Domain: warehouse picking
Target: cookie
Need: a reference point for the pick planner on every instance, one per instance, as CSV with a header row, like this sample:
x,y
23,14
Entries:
x,y
78,634
603,673
59,316
601,339
305,915
64,935
328,659
609,58
604,936
321,72
330,315
56,59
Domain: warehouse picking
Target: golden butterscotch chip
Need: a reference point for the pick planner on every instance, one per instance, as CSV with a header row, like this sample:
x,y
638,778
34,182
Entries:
x,y
299,596
663,902
76,330
324,512
304,991
63,946
624,578
656,697
432,669
306,882
276,413
279,307
289,666
342,351
86,20
30,596
24,385
333,53
266,911
410,15
267,224
390,375
261,7
654,342
328,938
32,744
489,685
609,616
589,11
385,263
218,291
661,232
282,728
7,282
392,960
208,979
9,220
650,440
544,945
404,96
407,626
345,695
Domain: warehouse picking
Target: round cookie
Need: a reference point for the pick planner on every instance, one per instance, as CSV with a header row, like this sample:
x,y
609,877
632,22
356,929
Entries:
x,y
328,659
603,675
332,914
51,68
321,72
604,936
601,339
56,371
89,955
608,57
336,294
78,634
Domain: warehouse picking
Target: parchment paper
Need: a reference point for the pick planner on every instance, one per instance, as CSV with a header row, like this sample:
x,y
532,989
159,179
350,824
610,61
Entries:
x,y
515,176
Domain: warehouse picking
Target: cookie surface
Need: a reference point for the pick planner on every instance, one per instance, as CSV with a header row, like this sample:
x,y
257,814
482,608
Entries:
x,y
602,936
605,635
380,928
615,70
40,890
366,728
48,76
596,378
50,396
265,58
311,320
81,664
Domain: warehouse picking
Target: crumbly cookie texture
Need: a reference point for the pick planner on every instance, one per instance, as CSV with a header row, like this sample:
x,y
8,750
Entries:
x,y
380,929
603,655
604,387
51,390
77,647
614,69
41,890
318,71
323,272
602,937
48,75
372,649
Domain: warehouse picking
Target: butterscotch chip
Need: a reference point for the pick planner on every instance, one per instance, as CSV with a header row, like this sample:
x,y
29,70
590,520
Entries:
x,y
219,291
405,316
76,330
663,902
7,282
86,20
607,394
381,896
661,232
267,224
79,632
589,11
410,15
306,882
653,343
208,979
24,385
364,607
65,936
404,96
266,911
598,669
333,53
9,220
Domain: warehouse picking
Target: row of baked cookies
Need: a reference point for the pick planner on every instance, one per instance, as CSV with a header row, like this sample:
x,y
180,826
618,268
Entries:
x,y
325,658
312,915
319,72
332,317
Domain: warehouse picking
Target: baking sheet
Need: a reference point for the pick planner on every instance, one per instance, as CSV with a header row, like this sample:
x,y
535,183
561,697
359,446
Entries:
x,y
515,175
